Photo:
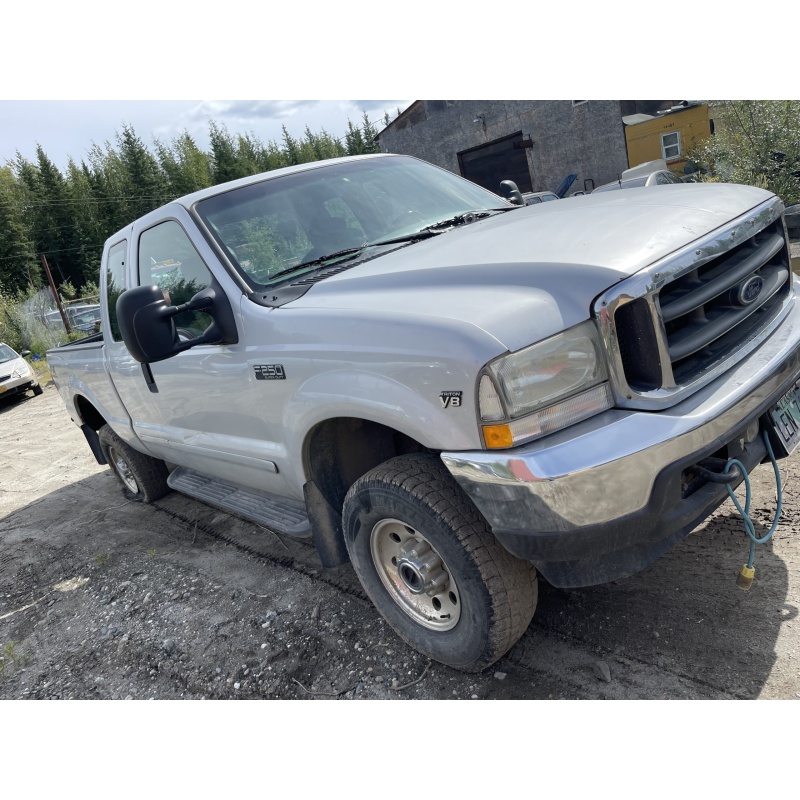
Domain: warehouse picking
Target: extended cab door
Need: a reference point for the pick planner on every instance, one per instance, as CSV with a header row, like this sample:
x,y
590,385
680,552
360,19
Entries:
x,y
195,409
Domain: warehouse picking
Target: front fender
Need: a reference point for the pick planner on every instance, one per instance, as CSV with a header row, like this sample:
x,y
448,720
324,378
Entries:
x,y
416,412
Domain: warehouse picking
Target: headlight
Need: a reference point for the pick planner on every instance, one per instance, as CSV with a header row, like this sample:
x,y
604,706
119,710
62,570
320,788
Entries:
x,y
544,388
21,372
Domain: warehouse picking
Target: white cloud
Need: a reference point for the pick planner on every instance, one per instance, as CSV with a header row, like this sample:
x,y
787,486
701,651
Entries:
x,y
243,111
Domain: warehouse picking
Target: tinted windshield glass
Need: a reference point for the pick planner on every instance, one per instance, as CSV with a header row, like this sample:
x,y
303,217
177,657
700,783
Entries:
x,y
273,225
6,353
666,177
631,183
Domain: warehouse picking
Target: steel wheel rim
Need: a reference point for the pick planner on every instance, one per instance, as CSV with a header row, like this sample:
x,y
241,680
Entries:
x,y
123,470
415,575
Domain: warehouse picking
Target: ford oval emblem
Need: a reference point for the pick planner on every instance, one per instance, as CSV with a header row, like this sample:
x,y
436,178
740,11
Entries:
x,y
749,290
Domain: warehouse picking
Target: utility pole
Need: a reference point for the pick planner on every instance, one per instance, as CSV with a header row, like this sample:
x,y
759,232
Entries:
x,y
55,295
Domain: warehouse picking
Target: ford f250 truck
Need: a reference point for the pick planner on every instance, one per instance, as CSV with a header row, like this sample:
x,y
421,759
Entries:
x,y
447,390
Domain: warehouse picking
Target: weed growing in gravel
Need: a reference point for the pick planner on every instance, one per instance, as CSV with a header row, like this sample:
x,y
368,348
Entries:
x,y
10,655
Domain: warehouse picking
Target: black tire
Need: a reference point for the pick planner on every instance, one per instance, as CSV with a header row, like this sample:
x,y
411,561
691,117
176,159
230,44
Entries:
x,y
489,595
143,478
37,390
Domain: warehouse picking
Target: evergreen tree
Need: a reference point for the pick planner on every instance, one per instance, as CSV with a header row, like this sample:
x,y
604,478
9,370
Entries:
x,y
88,225
145,185
69,216
354,140
107,180
369,133
272,157
291,148
186,167
18,265
248,153
51,215
225,164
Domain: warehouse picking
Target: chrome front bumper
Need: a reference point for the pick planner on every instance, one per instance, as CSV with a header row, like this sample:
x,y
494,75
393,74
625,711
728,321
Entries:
x,y
602,499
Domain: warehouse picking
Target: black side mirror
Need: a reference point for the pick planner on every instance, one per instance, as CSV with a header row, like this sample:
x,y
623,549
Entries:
x,y
147,325
509,190
25,353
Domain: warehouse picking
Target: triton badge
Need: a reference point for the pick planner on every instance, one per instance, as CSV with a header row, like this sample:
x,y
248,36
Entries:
x,y
269,372
450,399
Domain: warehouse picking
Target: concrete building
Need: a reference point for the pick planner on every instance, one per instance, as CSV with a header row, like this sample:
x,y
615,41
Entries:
x,y
535,143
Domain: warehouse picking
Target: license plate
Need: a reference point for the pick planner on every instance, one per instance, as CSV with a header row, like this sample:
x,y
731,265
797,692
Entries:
x,y
785,416
3,388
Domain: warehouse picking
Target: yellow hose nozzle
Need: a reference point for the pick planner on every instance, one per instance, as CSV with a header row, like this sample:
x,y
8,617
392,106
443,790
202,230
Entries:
x,y
744,580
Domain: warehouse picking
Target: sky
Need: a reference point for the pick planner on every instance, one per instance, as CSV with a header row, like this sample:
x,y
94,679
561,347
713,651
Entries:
x,y
73,74
67,128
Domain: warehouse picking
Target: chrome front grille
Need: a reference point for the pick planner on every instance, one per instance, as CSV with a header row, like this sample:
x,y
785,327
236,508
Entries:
x,y
676,325
708,312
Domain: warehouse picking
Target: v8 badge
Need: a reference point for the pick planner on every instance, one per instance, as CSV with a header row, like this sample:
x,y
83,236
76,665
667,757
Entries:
x,y
450,399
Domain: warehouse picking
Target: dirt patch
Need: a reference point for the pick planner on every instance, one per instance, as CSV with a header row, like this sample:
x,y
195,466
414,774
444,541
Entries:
x,y
103,598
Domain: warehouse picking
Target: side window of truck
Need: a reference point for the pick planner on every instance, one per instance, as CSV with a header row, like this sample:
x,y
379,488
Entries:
x,y
169,260
115,284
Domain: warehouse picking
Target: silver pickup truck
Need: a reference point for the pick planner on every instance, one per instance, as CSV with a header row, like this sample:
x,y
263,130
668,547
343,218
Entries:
x,y
445,389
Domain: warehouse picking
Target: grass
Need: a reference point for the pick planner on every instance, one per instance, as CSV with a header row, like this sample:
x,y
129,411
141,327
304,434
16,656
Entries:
x,y
10,655
42,371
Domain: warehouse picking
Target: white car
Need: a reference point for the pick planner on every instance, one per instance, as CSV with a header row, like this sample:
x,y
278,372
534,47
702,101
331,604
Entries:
x,y
16,376
659,178
532,198
651,173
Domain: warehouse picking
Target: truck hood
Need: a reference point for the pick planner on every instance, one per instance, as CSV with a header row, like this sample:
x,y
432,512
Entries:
x,y
531,272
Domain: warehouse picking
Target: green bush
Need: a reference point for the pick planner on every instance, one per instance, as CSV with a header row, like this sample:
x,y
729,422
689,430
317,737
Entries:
x,y
21,325
756,142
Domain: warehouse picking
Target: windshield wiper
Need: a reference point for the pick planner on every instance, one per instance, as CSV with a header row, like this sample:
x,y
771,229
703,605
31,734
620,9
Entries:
x,y
425,233
321,260
440,227
465,218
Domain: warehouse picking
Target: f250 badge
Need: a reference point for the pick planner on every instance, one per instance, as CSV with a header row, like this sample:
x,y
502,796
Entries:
x,y
269,372
450,399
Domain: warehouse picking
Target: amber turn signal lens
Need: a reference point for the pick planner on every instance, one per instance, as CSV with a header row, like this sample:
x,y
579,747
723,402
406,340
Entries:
x,y
497,436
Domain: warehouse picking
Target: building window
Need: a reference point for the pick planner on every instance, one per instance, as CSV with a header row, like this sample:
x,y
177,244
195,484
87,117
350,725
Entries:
x,y
670,145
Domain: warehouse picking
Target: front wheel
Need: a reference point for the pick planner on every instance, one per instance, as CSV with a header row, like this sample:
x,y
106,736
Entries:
x,y
432,567
37,390
143,477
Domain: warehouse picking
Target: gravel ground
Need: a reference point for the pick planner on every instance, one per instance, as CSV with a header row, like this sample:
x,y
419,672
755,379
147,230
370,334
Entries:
x,y
103,598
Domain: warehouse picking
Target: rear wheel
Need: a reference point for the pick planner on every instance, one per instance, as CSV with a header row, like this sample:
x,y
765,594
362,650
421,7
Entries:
x,y
432,567
143,477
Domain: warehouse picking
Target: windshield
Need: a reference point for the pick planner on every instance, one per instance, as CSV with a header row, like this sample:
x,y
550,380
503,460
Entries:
x,y
272,226
6,353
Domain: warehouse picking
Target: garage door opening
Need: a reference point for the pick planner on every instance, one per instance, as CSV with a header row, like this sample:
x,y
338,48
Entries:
x,y
500,160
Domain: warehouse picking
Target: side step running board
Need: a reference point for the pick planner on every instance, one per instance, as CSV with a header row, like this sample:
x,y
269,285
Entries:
x,y
276,513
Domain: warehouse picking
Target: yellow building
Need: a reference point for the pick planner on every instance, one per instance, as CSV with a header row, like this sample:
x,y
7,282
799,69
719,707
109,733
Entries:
x,y
669,135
